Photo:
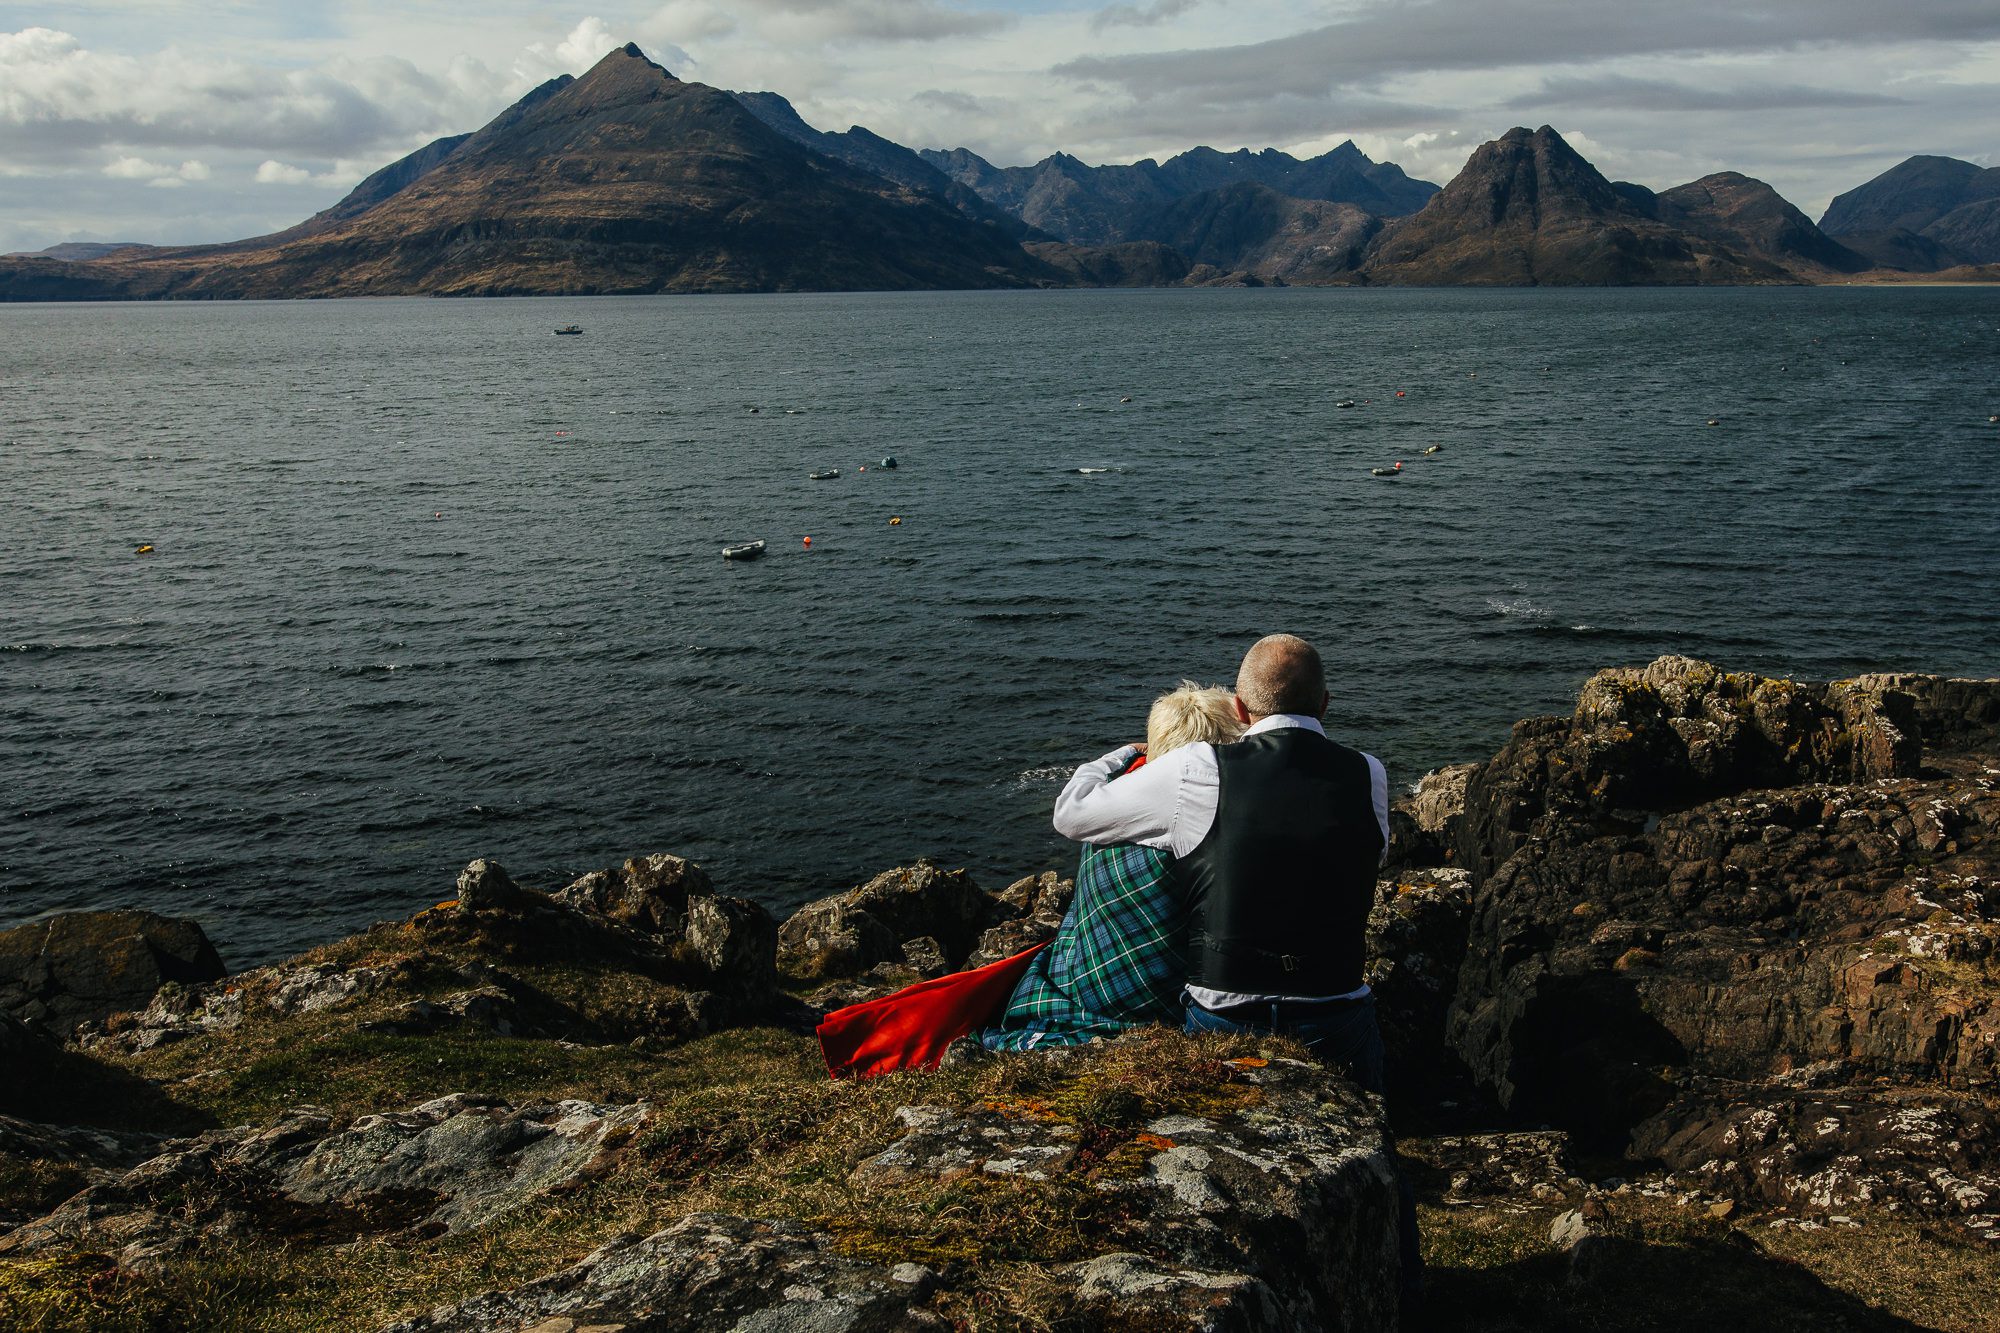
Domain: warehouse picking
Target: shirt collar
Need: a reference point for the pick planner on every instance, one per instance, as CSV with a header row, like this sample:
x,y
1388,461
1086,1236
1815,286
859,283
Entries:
x,y
1279,721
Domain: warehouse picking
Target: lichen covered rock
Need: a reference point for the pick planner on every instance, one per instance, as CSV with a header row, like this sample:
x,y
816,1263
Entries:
x,y
78,967
444,1166
707,1271
851,932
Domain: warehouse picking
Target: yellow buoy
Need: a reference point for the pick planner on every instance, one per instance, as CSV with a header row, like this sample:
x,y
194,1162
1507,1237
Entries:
x,y
147,549
896,522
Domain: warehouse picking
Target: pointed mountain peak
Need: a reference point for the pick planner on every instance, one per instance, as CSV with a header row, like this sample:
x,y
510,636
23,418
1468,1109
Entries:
x,y
626,67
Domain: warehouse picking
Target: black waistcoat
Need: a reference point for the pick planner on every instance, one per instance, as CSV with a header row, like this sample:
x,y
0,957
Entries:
x,y
1281,886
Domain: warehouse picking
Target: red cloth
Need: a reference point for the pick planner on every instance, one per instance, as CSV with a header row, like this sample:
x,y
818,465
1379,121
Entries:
x,y
910,1029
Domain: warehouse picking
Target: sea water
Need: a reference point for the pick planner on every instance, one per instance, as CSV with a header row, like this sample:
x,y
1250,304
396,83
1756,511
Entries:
x,y
429,583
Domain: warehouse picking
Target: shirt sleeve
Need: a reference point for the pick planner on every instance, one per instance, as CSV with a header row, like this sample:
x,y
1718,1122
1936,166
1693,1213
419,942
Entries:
x,y
1378,784
1138,807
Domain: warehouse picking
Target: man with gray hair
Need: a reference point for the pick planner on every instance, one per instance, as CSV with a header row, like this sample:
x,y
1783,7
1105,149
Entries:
x,y
1277,838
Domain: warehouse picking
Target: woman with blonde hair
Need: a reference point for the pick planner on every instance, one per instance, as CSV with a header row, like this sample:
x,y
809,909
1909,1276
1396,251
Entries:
x,y
1119,959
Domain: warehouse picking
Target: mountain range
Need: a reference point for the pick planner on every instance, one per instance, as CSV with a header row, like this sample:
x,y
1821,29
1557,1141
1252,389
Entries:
x,y
629,180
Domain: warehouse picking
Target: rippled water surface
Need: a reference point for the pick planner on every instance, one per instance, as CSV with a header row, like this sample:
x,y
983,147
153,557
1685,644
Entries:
x,y
429,583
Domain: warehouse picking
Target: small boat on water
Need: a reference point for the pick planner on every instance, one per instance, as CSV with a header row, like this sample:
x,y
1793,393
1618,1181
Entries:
x,y
828,475
1395,471
1345,402
569,330
743,551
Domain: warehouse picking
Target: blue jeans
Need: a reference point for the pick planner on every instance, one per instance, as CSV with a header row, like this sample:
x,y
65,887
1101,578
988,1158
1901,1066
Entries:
x,y
1343,1035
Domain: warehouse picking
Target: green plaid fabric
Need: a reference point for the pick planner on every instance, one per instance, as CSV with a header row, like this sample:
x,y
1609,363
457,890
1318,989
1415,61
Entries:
x,y
1117,962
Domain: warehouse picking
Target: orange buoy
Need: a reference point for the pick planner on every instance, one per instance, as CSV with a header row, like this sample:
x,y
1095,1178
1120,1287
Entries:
x,y
1399,393
809,542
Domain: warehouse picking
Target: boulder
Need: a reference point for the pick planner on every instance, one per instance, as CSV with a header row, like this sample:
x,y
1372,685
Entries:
x,y
485,886
79,967
1673,734
1416,942
1423,825
1029,911
487,1009
1814,1150
829,940
706,1271
1740,927
1587,1238
736,941
1530,1165
1953,716
1281,1202
444,1166
848,933
648,893
1736,939
1255,1197
45,1163
1131,1291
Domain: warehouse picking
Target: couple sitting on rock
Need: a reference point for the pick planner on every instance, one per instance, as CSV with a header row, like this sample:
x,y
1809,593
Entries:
x,y
1228,869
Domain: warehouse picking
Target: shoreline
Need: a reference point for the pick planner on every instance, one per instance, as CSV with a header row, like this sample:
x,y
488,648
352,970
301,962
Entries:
x,y
1764,907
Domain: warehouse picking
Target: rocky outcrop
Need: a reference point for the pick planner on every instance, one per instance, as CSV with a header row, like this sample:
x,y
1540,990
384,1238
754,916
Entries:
x,y
81,966
1297,1168
851,932
1672,734
1272,1209
648,893
1810,1146
473,964
1702,876
707,1271
1032,908
442,1167
1416,943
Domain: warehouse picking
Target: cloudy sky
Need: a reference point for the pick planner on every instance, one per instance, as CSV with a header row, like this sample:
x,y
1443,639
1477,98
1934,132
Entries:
x,y
167,121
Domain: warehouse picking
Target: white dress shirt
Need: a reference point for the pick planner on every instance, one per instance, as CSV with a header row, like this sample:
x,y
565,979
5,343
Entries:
x,y
1170,804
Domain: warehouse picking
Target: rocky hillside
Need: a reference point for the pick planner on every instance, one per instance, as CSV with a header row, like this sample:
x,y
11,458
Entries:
x,y
1751,218
1527,210
626,180
1691,1000
1252,228
868,151
1922,213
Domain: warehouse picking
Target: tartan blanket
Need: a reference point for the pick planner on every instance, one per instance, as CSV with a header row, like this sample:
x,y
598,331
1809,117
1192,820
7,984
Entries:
x,y
1118,961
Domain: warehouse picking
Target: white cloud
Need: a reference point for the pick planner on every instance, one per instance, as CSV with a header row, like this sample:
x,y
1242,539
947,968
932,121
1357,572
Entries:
x,y
157,174
272,172
344,173
58,96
